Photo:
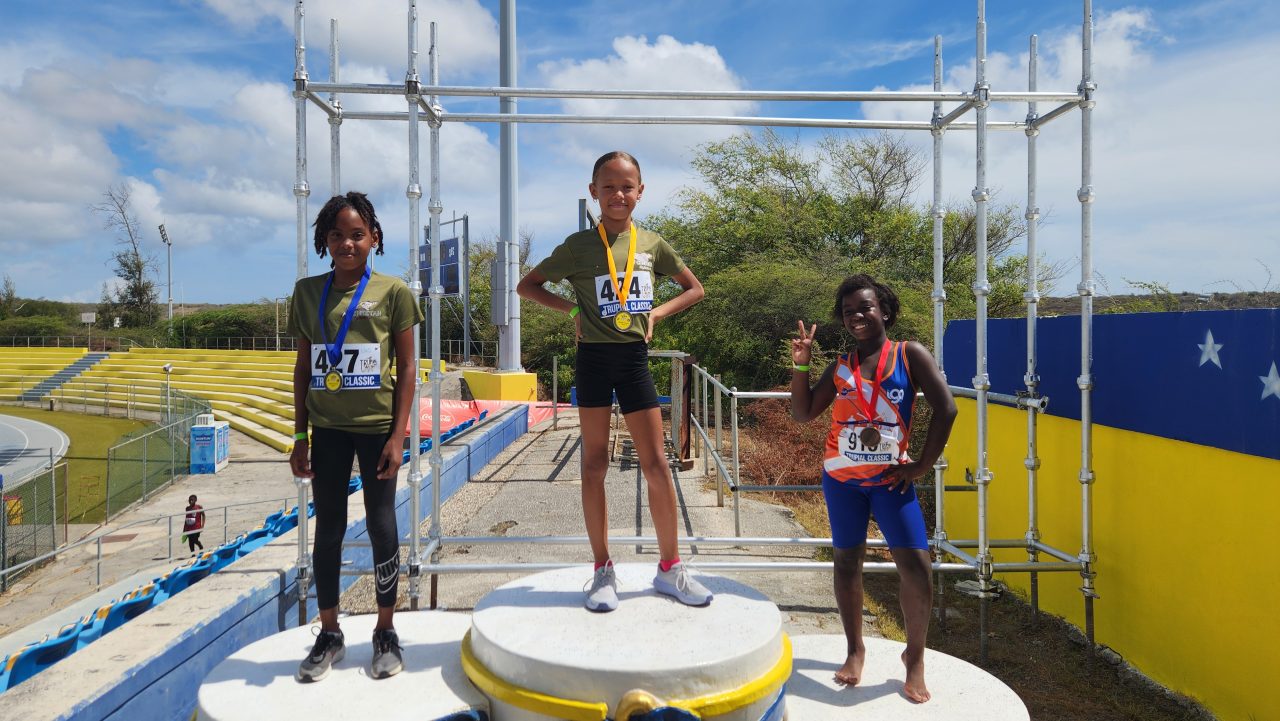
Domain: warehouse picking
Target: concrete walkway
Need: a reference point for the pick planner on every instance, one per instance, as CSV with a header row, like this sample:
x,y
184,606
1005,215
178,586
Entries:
x,y
533,489
137,545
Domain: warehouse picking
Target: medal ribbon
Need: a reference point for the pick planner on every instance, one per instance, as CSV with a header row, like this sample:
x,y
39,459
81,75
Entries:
x,y
334,349
613,268
868,406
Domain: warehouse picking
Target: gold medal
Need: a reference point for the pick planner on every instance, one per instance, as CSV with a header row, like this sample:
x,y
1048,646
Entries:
x,y
622,321
333,380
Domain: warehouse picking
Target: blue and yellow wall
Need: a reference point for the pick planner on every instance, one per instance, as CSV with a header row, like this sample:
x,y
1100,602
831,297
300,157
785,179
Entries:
x,y
1187,493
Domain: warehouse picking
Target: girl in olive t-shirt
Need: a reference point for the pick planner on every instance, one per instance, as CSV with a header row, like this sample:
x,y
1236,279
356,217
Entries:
x,y
612,269
350,323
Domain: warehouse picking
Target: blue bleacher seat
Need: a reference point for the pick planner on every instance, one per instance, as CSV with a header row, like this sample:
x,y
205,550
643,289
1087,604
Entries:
x,y
226,553
128,609
35,658
179,580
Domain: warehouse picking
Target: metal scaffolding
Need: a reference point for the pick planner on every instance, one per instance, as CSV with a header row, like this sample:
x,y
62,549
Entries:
x,y
423,105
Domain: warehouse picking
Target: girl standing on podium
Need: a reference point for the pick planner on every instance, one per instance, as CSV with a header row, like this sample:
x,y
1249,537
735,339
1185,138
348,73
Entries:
x,y
612,269
350,323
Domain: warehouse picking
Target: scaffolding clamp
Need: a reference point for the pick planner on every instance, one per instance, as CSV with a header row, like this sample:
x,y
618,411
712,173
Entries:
x,y
981,195
301,189
1084,288
415,285
1086,90
1087,477
1032,129
981,95
982,382
300,85
1085,194
940,294
1031,463
413,191
1085,381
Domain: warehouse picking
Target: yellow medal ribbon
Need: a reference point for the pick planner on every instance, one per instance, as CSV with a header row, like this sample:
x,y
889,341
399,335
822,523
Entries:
x,y
623,319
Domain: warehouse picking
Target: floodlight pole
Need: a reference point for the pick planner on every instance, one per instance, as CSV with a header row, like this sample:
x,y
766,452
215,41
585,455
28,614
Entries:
x,y
168,244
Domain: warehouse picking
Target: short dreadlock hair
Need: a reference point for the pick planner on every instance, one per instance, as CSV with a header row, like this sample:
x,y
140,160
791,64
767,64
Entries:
x,y
327,218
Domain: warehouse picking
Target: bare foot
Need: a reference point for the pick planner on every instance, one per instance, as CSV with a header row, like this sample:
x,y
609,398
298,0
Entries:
x,y
851,672
914,687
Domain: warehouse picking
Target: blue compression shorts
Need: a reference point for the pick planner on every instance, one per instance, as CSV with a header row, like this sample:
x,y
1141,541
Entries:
x,y
849,507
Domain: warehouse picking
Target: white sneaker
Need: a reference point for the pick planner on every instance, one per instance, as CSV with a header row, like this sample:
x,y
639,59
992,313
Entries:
x,y
603,595
678,584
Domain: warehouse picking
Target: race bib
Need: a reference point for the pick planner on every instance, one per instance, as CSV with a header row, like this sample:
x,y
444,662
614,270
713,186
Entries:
x,y
869,445
639,297
360,366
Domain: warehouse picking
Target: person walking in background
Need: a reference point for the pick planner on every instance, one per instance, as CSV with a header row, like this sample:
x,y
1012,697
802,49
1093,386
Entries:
x,y
192,524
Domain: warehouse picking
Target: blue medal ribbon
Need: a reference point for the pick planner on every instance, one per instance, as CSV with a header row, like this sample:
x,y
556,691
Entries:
x,y
334,349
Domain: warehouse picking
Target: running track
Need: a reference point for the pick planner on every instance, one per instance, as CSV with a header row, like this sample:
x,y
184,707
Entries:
x,y
24,447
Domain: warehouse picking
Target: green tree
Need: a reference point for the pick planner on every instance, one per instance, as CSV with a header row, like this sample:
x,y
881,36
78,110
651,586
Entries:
x,y
134,300
775,227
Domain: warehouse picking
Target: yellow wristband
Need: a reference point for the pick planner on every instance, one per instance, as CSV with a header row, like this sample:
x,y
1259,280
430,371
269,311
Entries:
x,y
573,311
802,369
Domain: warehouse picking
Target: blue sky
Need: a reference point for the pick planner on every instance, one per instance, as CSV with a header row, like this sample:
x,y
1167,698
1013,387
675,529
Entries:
x,y
188,102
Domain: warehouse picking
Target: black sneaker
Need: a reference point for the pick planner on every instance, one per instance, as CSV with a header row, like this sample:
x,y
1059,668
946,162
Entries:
x,y
328,650
387,660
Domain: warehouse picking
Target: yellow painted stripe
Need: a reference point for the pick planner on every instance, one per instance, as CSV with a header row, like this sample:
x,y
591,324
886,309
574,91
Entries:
x,y
523,698
715,704
718,704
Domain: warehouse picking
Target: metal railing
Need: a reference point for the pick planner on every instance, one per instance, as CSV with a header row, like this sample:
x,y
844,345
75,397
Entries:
x,y
92,342
728,461
171,522
149,461
90,397
29,516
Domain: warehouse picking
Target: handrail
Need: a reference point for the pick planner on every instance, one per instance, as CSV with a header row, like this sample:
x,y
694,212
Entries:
x,y
164,517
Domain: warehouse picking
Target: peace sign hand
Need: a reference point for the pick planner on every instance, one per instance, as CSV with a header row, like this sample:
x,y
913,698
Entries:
x,y
802,346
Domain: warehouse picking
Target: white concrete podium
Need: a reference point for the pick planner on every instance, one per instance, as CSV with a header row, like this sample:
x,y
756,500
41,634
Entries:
x,y
257,682
539,655
960,691
531,652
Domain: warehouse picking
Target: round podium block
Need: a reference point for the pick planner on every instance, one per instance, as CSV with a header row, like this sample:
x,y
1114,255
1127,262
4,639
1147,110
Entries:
x,y
258,681
960,691
532,646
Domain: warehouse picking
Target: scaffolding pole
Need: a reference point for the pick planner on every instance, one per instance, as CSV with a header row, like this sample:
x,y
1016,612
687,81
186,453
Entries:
x,y
1085,382
1032,296
413,191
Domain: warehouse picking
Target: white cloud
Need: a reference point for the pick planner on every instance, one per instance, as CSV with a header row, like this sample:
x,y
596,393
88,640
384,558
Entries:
x,y
1177,143
374,32
638,64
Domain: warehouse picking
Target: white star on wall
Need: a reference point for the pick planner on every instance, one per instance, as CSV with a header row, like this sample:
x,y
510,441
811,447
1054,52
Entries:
x,y
1271,383
1209,350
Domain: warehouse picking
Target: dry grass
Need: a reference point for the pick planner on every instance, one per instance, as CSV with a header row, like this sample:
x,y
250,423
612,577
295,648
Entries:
x,y
1045,660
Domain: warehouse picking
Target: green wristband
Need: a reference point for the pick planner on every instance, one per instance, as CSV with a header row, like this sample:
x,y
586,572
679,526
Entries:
x,y
573,311
300,436
802,369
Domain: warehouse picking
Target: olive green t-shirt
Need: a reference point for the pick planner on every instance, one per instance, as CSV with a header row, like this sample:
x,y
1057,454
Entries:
x,y
580,259
387,306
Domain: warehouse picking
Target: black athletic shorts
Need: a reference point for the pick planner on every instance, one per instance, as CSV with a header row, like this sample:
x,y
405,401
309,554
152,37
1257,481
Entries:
x,y
603,369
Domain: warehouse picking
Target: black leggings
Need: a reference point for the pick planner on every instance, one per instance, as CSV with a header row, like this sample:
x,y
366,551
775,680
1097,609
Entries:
x,y
193,540
332,452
